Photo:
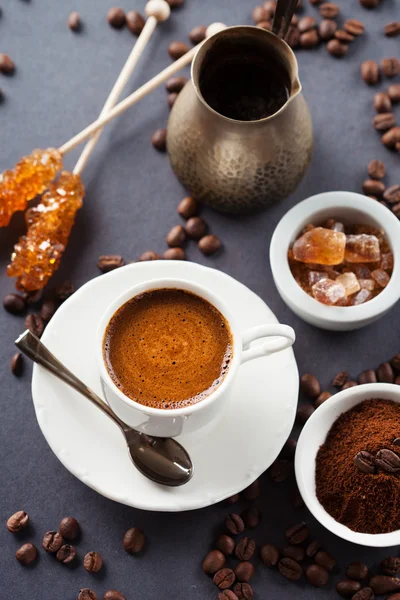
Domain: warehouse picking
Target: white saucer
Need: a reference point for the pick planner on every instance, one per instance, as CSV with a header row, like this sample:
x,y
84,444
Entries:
x,y
232,454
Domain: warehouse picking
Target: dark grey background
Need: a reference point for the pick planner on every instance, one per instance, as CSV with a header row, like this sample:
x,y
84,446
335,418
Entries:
x,y
60,85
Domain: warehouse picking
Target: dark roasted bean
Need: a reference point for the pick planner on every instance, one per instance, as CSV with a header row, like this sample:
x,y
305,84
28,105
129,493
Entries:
x,y
113,595
349,384
176,237
392,194
385,372
209,244
313,548
26,554
309,385
394,92
391,138
64,290
69,528
357,571
295,552
376,169
392,29
297,534
390,66
74,21
110,262
87,594
17,364
354,27
383,584
370,72
52,541
14,304
196,228
66,554
317,576
344,36
227,595
327,29
177,49
382,102
134,540
116,17
243,591
323,397
224,578
225,544
187,207
289,449
17,521
347,588
260,13
174,254
234,524
290,569
391,565
213,562
306,24
244,571
367,377
149,255
309,39
304,412
245,548
135,22
373,187
92,562
198,34
340,379
159,140
269,555
325,560
7,66
329,10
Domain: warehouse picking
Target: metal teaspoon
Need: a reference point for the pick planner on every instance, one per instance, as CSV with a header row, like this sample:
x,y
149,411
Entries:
x,y
163,460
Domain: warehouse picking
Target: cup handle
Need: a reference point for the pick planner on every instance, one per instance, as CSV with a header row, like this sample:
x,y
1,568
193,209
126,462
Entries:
x,y
286,337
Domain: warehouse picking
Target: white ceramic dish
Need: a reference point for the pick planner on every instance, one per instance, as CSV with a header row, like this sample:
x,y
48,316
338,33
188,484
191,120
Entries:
x,y
227,457
352,208
313,436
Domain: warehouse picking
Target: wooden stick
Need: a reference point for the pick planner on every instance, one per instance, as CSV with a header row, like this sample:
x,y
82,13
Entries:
x,y
156,10
138,94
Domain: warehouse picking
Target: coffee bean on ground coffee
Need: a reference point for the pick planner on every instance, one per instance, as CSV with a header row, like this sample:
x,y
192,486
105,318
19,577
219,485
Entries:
x,y
363,501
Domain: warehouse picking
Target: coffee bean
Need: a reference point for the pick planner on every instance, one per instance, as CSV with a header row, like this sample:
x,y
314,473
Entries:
x,y
369,3
317,576
224,544
113,595
270,6
325,560
280,470
365,462
175,84
198,34
196,228
391,137
306,24
392,195
17,364
47,310
327,29
174,254
227,595
383,584
354,27
269,555
64,290
376,169
309,39
394,92
396,442
290,569
52,541
323,397
344,36
373,186
295,552
116,17
340,379
244,571
135,22
7,66
292,37
234,524
387,461
392,29
17,521
74,21
289,449
304,412
176,236
385,372
93,562
243,591
347,588
14,304
313,548
159,140
260,13
349,384
396,210
187,207
149,255
177,49
245,548
367,377
394,597
357,571
253,491
267,25
110,262
390,66
297,534
224,578
66,554
370,72
391,565
233,499
176,3
309,385
87,594
382,102
336,48
214,561
134,541
251,517
209,244
315,2
69,528
26,554
329,10
35,324
171,99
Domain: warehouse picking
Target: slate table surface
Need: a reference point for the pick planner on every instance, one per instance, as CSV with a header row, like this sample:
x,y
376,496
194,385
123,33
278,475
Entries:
x,y
59,86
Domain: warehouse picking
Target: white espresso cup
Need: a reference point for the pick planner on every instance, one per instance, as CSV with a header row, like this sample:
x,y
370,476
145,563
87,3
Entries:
x,y
172,422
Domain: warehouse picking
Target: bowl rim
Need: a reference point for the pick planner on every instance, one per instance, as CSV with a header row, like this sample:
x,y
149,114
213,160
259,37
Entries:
x,y
315,430
313,208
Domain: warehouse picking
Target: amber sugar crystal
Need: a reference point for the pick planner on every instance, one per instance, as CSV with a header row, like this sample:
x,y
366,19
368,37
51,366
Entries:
x,y
37,254
31,176
320,245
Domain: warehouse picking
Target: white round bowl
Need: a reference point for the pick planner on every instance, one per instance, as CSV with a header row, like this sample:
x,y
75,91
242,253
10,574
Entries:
x,y
350,208
313,436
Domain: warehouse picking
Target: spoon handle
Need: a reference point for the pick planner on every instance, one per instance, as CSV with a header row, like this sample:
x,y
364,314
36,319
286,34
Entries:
x,y
283,15
32,347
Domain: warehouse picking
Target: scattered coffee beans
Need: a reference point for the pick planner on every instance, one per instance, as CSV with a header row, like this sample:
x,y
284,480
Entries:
x,y
269,555
317,576
370,72
243,591
175,84
213,562
66,554
224,544
391,565
134,540
116,17
329,10
176,236
325,560
198,34
384,121
384,584
365,462
52,541
306,24
392,137
309,39
323,397
74,21
364,594
385,373
35,324
224,578
17,364
327,29
376,169
297,534
227,595
390,66
337,48
17,521
14,304
373,187
347,588
244,571
233,499
149,255
69,528
209,244
187,207
290,569
344,37
113,595
392,195
110,262
7,66
234,524
177,49
64,290
304,412
135,22
174,254
354,27
93,562
245,548
296,552
251,517
87,594
394,92
159,140
47,310
392,29
309,385
26,554
196,228
367,377
313,548
382,102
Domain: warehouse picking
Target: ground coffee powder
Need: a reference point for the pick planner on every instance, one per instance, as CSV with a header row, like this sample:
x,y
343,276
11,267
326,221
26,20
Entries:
x,y
365,502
